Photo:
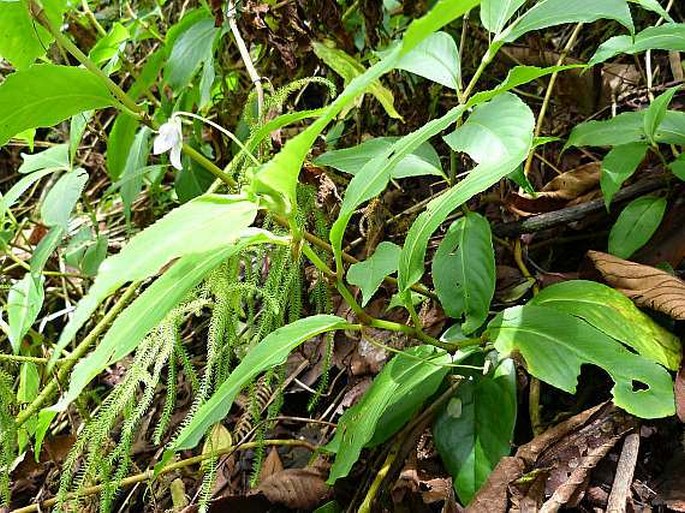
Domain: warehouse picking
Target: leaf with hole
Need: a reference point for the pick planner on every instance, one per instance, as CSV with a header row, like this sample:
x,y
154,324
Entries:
x,y
635,225
555,344
464,271
271,351
45,94
619,165
475,429
616,316
395,395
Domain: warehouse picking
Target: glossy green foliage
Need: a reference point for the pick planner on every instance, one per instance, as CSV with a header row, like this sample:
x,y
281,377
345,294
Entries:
x,y
554,345
369,274
670,36
475,429
394,397
619,165
435,58
635,225
464,271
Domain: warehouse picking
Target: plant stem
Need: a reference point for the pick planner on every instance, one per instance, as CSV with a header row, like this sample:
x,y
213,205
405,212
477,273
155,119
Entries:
x,y
149,475
68,363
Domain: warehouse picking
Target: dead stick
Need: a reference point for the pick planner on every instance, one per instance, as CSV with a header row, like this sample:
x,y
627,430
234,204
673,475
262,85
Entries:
x,y
620,491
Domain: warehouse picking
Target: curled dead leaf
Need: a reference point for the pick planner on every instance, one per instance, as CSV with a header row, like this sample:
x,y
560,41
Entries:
x,y
295,488
647,286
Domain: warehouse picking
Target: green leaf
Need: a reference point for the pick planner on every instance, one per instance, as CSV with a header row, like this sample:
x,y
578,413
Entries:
x,y
204,224
271,351
555,344
498,135
619,165
475,429
625,128
60,201
109,45
672,129
443,13
22,40
54,158
150,308
395,395
192,181
670,36
20,188
549,13
654,6
616,316
119,143
77,127
46,94
494,14
190,49
464,271
635,225
349,69
24,301
655,114
369,274
29,383
677,167
131,178
424,160
435,58
45,248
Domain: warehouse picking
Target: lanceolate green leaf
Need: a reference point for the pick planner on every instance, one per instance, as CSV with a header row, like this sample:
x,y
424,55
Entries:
x,y
369,274
119,142
464,271
549,13
494,14
131,178
656,112
623,129
46,94
635,225
654,6
19,188
278,178
60,201
24,301
619,165
396,394
670,36
615,315
271,351
498,135
555,344
435,58
475,430
204,224
150,308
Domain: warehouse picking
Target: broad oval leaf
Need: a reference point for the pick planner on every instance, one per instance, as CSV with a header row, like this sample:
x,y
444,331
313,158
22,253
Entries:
x,y
555,344
45,94
24,301
60,201
549,13
474,431
393,398
619,165
424,160
615,315
271,351
464,271
204,224
435,58
635,225
670,36
498,135
150,308
369,274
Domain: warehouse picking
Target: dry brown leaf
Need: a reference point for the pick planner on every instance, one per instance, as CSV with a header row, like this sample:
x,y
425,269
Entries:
x,y
272,465
296,488
647,286
679,387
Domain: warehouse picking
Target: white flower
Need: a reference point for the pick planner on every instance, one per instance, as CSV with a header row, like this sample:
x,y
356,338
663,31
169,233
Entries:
x,y
170,138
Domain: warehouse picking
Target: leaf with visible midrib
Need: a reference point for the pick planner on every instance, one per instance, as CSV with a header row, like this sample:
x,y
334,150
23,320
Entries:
x,y
635,225
45,94
670,36
271,351
555,344
203,224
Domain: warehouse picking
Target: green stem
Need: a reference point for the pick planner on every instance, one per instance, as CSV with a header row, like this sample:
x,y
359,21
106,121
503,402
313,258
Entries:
x,y
68,363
